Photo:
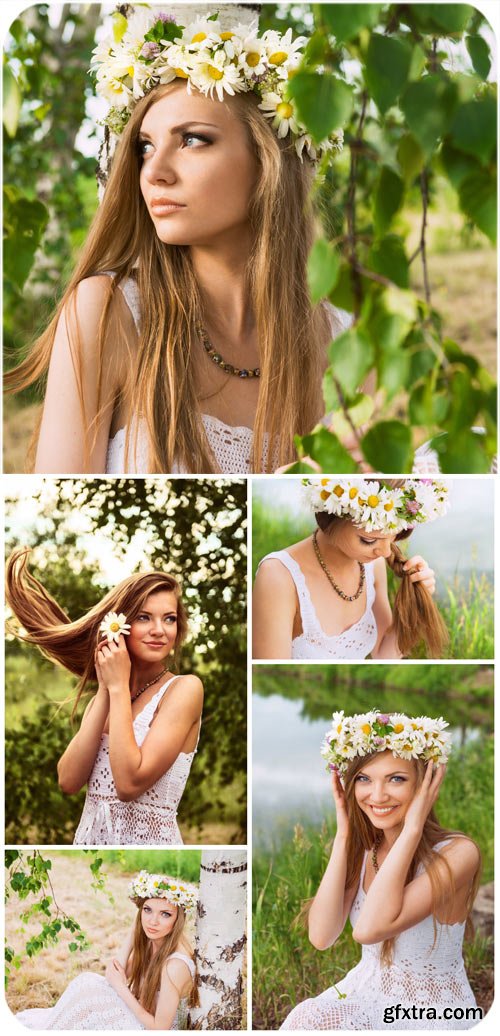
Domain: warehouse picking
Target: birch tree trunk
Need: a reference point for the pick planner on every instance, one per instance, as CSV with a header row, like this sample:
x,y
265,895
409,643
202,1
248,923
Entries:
x,y
220,939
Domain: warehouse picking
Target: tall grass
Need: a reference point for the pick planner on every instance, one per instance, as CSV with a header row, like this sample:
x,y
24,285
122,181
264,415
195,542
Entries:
x,y
286,968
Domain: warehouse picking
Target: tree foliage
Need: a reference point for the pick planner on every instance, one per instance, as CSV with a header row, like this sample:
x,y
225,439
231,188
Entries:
x,y
195,529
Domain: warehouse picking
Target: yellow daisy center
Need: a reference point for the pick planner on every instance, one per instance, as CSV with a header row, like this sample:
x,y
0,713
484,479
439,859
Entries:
x,y
339,728
215,73
199,37
398,727
114,627
181,74
284,110
372,501
226,36
325,481
324,494
366,728
253,58
130,71
389,506
278,58
338,491
352,493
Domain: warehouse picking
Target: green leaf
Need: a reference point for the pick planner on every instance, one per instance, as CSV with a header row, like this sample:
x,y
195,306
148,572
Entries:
x,y
12,100
24,223
360,411
388,257
393,370
351,356
464,401
426,406
448,19
410,157
323,267
387,68
299,468
463,452
324,448
345,20
393,315
478,199
474,128
428,106
387,447
389,193
479,54
72,947
457,165
324,103
119,26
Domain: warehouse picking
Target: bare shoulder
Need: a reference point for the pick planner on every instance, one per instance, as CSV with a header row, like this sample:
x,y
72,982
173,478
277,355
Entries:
x,y
463,856
187,690
272,574
178,973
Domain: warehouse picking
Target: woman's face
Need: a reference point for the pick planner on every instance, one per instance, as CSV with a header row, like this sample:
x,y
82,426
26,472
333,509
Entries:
x,y
158,917
360,544
153,632
384,788
198,170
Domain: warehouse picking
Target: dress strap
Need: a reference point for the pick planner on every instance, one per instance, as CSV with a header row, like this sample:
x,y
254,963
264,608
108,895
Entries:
x,y
147,713
130,292
307,613
370,584
363,872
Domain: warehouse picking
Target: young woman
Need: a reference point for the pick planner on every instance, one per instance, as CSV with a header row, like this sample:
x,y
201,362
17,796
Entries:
x,y
148,984
326,597
140,730
186,340
406,883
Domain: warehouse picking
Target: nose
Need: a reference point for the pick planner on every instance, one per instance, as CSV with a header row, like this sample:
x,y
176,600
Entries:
x,y
379,794
157,625
383,549
159,169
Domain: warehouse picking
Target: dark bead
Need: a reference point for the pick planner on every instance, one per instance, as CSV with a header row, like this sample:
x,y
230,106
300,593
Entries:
x,y
243,374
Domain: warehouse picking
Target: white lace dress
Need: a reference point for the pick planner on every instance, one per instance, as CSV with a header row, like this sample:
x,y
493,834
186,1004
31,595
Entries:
x,y
230,445
151,818
422,975
355,642
90,1002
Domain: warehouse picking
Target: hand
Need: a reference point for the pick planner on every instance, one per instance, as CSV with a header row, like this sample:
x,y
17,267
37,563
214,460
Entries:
x,y
113,664
420,573
340,805
425,797
116,975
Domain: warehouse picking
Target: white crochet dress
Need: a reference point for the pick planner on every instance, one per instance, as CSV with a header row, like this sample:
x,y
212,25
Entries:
x,y
230,445
355,642
90,1002
421,975
150,819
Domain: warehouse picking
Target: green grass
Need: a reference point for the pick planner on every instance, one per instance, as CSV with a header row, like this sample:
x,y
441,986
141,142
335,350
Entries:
x,y
286,968
177,863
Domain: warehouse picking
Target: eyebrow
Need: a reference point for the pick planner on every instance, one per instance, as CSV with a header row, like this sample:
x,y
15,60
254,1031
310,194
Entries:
x,y
391,774
170,611
183,126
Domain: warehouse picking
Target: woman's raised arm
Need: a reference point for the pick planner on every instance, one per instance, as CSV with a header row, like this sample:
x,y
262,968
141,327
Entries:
x,y
75,424
331,905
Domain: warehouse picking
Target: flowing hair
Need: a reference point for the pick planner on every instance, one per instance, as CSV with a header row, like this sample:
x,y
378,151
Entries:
x,y
72,644
361,838
415,616
160,384
145,969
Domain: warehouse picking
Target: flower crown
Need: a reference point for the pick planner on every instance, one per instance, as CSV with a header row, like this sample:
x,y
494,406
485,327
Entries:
x,y
148,48
367,732
376,506
158,886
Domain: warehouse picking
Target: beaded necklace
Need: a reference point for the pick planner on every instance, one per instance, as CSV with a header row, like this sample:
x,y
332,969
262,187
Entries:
x,y
229,368
328,574
149,684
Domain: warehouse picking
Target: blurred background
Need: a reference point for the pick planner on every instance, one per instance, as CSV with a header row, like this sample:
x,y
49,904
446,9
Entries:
x,y
85,537
459,547
294,815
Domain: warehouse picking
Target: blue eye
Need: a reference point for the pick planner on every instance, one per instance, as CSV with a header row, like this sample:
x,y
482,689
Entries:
x,y
188,138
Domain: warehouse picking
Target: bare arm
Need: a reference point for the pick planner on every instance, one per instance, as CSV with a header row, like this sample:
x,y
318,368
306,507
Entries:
x,y
73,377
332,902
175,983
76,763
274,604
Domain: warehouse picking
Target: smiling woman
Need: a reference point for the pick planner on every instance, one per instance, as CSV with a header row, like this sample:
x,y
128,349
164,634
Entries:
x,y
186,340
140,730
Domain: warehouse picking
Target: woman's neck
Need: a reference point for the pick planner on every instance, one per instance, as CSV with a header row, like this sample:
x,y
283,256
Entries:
x,y
221,273
142,674
333,556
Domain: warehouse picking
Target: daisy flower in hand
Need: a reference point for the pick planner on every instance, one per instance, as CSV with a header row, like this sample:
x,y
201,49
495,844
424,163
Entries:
x,y
113,624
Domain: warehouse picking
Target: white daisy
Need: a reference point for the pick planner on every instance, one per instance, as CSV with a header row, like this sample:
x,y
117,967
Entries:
x,y
281,112
214,72
283,53
113,625
253,56
197,34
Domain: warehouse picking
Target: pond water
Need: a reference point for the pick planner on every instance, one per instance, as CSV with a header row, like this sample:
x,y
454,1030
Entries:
x,y
290,783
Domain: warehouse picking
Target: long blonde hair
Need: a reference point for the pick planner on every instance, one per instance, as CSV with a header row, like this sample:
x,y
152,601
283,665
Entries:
x,y
361,838
160,384
72,643
145,969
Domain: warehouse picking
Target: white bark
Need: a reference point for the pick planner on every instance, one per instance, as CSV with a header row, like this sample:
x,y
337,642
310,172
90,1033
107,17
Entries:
x,y
220,939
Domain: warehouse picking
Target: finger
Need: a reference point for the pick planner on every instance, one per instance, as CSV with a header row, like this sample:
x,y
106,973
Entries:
x,y
419,574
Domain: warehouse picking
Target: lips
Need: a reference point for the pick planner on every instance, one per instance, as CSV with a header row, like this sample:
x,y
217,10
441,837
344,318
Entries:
x,y
165,205
383,811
